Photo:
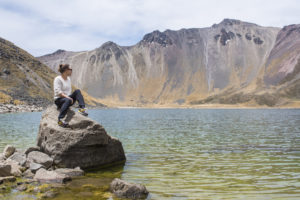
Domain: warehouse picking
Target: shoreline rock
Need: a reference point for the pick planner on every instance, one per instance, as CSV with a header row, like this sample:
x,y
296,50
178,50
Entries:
x,y
70,172
19,158
32,179
44,176
7,179
123,189
34,164
40,158
5,170
8,150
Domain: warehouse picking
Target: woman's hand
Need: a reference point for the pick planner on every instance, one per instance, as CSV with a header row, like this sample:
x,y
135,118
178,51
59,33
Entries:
x,y
71,99
66,96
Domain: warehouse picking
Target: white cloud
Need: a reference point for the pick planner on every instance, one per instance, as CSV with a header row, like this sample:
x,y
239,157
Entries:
x,y
42,27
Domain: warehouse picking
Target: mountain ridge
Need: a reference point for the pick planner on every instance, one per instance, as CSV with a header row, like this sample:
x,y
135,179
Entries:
x,y
184,67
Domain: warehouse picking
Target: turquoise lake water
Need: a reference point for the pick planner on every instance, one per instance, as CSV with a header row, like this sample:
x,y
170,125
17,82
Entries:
x,y
193,153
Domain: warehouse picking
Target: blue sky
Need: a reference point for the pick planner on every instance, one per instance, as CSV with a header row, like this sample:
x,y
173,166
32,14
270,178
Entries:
x,y
43,26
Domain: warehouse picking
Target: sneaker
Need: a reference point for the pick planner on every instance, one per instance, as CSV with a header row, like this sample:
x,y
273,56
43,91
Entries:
x,y
63,123
83,111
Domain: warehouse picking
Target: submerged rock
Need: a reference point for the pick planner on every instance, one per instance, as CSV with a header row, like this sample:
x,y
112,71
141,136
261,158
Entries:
x,y
44,176
70,172
21,188
49,194
85,143
124,189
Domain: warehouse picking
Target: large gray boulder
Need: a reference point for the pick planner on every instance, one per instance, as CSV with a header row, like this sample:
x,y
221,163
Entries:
x,y
84,144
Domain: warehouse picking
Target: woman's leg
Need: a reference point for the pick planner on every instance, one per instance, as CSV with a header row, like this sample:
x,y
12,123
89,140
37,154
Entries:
x,y
64,104
76,95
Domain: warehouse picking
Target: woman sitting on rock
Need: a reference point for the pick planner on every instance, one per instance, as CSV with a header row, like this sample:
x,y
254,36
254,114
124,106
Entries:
x,y
62,94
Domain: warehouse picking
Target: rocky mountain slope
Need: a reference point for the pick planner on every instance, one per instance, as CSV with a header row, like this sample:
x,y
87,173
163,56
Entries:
x,y
24,79
231,62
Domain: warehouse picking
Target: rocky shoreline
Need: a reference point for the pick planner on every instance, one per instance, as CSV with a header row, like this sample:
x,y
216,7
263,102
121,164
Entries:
x,y
12,108
34,173
62,154
30,171
9,108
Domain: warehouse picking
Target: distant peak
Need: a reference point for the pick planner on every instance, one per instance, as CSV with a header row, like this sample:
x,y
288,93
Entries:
x,y
59,51
231,22
108,44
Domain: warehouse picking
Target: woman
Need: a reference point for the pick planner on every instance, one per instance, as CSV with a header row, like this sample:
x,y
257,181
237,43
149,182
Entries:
x,y
62,94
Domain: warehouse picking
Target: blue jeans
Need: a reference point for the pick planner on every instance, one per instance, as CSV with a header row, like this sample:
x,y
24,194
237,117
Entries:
x,y
64,103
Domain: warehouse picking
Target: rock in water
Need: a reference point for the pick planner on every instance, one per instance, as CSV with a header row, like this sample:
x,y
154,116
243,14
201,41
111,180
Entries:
x,y
44,176
70,172
85,144
124,189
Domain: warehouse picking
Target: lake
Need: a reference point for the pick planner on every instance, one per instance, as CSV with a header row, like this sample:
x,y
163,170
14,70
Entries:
x,y
189,153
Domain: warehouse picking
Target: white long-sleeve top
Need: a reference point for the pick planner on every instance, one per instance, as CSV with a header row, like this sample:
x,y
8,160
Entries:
x,y
62,86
